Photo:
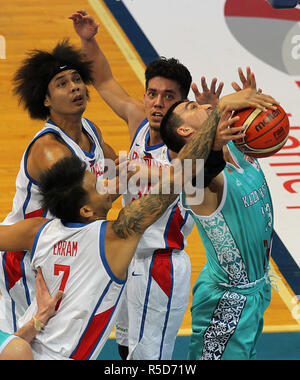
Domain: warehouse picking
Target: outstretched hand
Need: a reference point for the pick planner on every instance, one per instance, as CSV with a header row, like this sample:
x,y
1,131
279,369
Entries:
x,y
84,24
209,95
247,81
248,96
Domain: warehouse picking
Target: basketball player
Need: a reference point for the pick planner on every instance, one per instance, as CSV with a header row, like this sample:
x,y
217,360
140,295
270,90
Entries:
x,y
83,254
16,346
51,85
159,280
235,221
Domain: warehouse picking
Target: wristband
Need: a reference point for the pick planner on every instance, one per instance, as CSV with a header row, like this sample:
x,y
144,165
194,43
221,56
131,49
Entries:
x,y
38,325
215,158
214,165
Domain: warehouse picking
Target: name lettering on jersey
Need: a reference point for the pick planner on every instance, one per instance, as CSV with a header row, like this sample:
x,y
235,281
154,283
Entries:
x,y
148,159
65,248
255,196
140,176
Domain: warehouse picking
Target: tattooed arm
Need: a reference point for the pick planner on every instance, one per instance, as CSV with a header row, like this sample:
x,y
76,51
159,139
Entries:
x,y
200,145
123,234
140,214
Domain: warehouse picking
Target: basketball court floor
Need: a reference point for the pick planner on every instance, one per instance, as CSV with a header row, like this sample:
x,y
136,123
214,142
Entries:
x,y
40,24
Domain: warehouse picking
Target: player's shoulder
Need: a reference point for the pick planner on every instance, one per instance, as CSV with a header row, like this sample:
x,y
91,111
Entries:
x,y
17,349
48,143
43,153
34,223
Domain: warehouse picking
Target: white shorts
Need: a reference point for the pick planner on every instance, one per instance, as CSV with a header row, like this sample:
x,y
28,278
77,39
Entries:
x,y
6,320
40,352
157,297
121,327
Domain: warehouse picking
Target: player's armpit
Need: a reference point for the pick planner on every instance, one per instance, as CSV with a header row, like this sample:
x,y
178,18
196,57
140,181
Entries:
x,y
20,236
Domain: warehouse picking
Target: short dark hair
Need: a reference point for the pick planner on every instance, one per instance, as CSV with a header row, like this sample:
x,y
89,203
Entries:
x,y
171,69
33,77
168,127
61,188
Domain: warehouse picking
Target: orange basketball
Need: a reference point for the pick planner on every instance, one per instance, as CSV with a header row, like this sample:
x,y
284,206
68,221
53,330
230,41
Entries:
x,y
266,132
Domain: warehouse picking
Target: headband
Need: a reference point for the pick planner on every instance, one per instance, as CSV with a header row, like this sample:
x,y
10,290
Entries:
x,y
58,69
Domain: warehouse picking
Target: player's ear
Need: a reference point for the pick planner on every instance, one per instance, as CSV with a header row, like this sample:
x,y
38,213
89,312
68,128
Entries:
x,y
46,101
185,131
86,211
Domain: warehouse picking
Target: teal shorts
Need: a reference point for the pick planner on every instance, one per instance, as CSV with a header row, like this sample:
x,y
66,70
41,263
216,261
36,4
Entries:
x,y
5,338
226,323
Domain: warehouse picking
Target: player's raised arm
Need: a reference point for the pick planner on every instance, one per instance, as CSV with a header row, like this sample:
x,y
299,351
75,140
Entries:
x,y
128,108
248,97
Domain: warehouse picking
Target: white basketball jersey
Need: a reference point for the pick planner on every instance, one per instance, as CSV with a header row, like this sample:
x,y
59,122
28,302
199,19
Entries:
x,y
72,258
170,230
17,283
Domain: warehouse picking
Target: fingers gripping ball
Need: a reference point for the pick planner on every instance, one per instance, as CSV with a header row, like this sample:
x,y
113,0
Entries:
x,y
266,132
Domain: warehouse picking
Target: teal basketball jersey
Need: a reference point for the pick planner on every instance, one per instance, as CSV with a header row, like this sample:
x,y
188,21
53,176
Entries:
x,y
237,236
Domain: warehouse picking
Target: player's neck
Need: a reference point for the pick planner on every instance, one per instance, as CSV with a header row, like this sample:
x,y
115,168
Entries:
x,y
71,124
228,157
100,216
154,137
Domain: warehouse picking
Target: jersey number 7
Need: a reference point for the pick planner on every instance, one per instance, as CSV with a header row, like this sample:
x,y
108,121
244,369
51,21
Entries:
x,y
61,268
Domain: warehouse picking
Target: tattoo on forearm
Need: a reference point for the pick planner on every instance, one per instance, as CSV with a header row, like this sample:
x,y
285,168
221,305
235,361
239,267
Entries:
x,y
141,213
200,146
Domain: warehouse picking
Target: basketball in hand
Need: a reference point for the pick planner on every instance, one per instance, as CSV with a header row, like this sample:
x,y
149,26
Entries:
x,y
266,132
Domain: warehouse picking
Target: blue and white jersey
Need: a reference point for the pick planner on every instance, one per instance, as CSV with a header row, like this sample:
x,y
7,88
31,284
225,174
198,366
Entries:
x,y
169,231
17,282
72,258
